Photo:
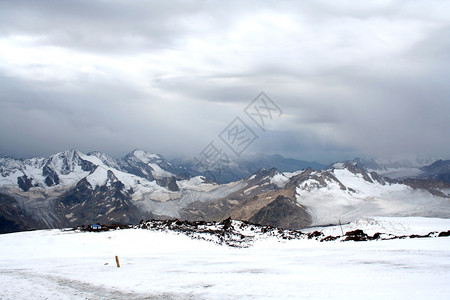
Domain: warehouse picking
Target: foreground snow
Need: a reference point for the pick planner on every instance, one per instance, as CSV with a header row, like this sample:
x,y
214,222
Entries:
x,y
157,265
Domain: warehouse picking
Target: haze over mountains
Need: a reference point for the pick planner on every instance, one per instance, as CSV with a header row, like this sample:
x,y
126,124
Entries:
x,y
72,188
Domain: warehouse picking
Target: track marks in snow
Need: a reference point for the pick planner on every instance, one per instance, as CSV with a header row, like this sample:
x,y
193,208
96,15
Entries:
x,y
40,286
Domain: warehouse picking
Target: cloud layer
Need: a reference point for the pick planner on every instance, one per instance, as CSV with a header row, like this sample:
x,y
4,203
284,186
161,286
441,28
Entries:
x,y
352,78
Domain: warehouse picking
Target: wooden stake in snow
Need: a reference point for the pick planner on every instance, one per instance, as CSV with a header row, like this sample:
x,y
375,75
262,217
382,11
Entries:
x,y
341,227
117,261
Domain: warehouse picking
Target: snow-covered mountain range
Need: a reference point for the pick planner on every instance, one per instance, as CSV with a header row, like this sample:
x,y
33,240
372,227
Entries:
x,y
72,188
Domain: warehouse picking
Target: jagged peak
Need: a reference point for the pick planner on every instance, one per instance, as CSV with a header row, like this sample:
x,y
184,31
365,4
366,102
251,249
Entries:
x,y
264,172
8,161
8,165
104,158
72,154
143,156
355,165
67,161
9,158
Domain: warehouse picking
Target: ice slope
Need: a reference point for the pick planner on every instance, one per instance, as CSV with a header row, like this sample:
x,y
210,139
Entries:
x,y
280,179
192,190
144,156
361,198
158,172
157,265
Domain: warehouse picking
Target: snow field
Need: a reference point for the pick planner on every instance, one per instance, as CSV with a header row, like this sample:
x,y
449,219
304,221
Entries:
x,y
328,205
157,265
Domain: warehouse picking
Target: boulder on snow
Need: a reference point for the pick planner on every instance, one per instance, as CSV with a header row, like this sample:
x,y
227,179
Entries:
x,y
356,235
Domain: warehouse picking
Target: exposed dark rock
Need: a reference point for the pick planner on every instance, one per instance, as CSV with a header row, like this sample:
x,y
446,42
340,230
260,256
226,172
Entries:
x,y
86,166
439,170
169,182
351,190
227,232
433,186
377,236
227,224
314,234
137,168
13,218
329,238
51,177
284,213
444,233
356,235
358,168
173,186
103,204
24,183
380,179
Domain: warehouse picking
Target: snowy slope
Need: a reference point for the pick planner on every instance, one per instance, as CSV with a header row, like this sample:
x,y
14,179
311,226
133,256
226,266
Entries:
x,y
399,226
158,265
347,195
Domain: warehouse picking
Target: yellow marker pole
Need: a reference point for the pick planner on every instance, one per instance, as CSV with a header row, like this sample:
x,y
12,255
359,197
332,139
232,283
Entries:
x,y
117,261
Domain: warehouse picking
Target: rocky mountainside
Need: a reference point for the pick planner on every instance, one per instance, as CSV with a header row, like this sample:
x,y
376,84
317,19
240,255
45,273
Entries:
x,y
439,170
343,193
72,188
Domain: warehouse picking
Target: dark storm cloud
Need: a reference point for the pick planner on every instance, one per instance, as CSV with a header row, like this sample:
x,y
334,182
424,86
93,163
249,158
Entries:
x,y
89,25
352,78
109,26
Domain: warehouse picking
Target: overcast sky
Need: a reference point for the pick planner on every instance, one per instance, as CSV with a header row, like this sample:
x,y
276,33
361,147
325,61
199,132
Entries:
x,y
352,78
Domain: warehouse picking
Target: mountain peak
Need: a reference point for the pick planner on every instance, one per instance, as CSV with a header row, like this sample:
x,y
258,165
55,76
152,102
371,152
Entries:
x,y
104,158
143,156
68,153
